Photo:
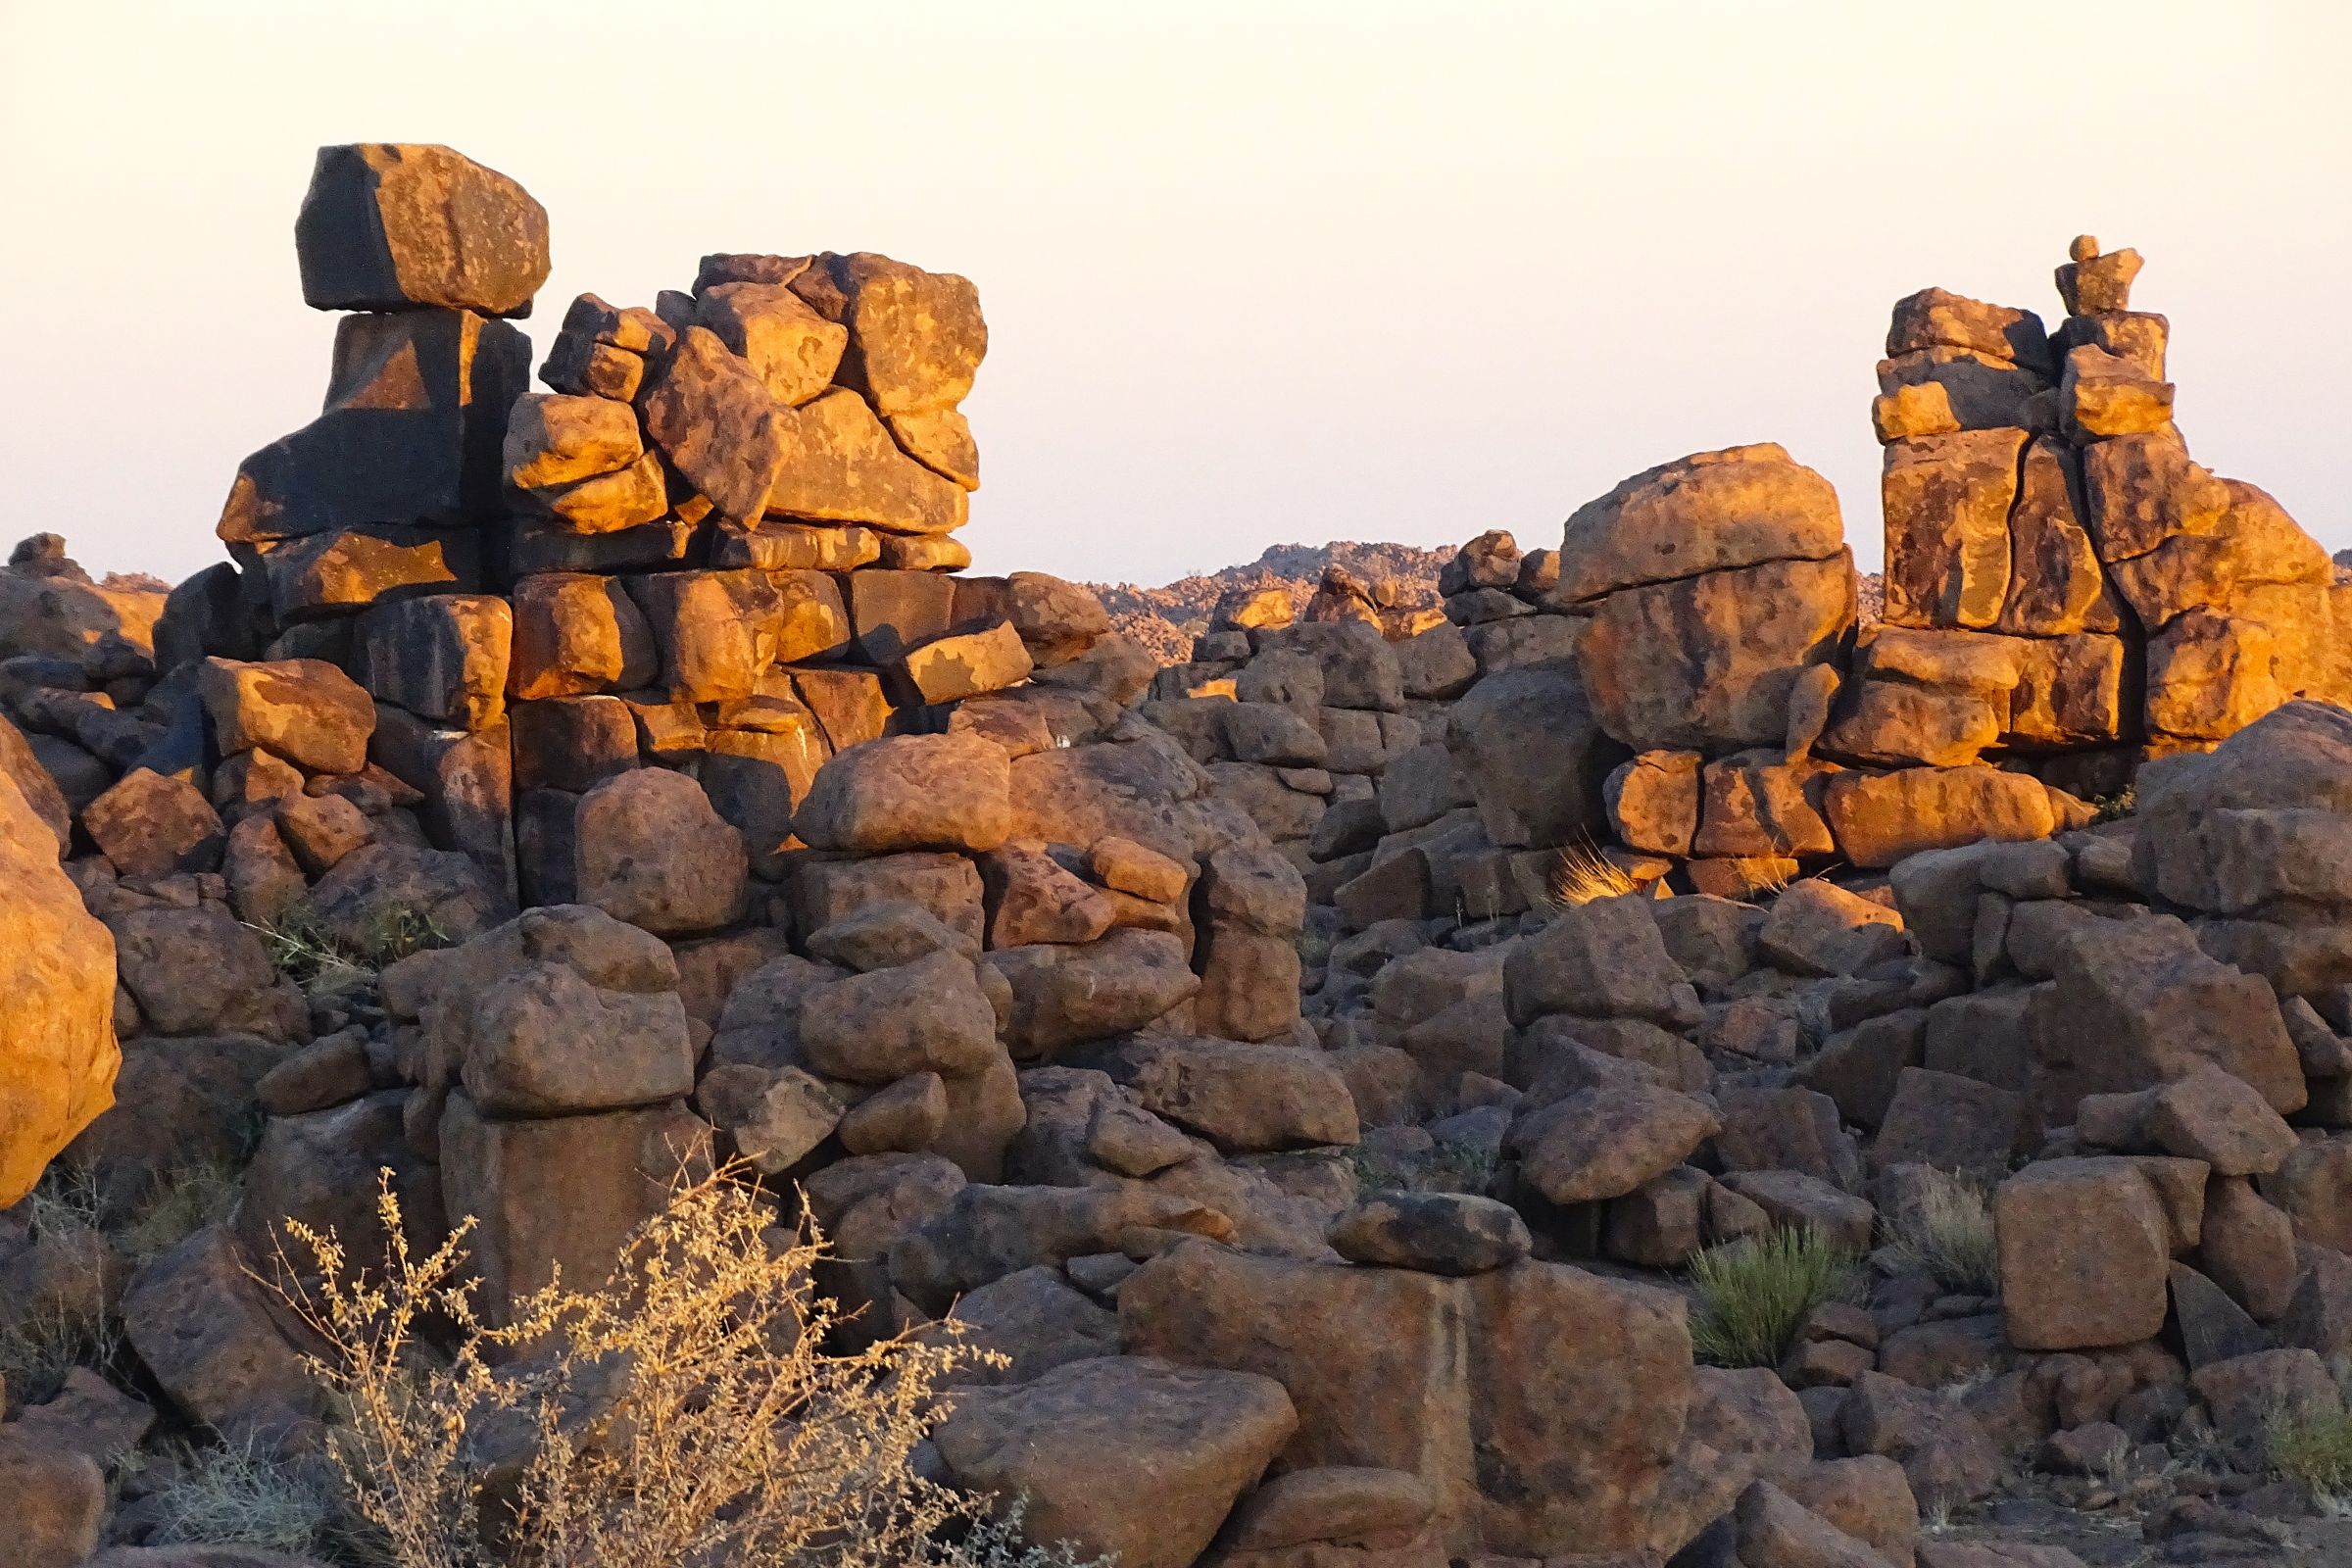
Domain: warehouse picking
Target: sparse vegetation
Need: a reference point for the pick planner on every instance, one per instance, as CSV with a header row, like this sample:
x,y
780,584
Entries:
x,y
2113,808
1583,874
1754,1293
303,950
231,1495
1454,1165
744,1438
1950,1236
186,1200
2312,1448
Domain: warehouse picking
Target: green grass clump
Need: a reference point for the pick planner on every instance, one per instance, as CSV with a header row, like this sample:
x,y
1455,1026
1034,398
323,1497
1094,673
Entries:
x,y
1755,1292
1950,1236
2311,1447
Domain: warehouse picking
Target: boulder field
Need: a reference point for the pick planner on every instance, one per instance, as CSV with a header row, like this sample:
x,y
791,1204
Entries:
x,y
1317,1067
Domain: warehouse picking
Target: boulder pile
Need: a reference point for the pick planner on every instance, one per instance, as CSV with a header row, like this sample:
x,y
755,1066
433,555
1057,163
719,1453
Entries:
x,y
1324,1070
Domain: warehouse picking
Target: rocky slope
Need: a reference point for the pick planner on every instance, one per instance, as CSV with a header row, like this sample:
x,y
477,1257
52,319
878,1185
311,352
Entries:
x,y
1165,620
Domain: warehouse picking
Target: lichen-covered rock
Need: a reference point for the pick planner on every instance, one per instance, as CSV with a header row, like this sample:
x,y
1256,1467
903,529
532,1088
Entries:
x,y
393,226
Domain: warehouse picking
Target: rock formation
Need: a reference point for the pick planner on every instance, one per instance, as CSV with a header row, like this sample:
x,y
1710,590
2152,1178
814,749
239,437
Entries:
x,y
1316,1064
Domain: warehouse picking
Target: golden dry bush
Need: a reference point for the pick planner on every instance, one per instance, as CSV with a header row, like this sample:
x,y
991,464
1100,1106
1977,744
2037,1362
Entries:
x,y
687,1413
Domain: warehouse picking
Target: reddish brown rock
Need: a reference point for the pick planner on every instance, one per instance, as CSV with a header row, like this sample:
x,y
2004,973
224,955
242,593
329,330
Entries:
x,y
839,465
1947,500
910,792
2085,1246
1879,820
57,1036
711,415
303,710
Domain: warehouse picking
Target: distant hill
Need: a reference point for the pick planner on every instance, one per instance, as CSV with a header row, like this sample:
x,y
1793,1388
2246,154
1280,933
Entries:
x,y
1165,620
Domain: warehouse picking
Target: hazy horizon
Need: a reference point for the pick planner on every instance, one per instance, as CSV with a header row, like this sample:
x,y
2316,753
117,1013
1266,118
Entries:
x,y
1253,275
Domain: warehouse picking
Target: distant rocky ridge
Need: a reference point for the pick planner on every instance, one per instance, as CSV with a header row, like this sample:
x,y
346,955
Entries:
x,y
1166,619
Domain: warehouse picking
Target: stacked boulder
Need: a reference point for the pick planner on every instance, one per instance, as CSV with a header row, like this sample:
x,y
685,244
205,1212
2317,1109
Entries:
x,y
2064,584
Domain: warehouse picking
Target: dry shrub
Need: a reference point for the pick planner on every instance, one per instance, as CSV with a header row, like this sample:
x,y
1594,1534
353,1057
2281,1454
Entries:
x,y
54,1333
1949,1234
688,1412
1582,874
304,949
1754,1293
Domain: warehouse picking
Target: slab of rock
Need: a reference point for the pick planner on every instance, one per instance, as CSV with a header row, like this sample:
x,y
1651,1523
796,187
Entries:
x,y
55,1501
559,1192
917,337
1062,995
395,227
415,415
1881,818
839,463
987,1232
2138,1003
1602,960
200,1323
1710,662
712,416
1035,1319
1706,513
1123,1454
303,710
57,1003
651,850
1242,1097
929,1015
1437,1233
1604,1143
962,665
1528,748
792,349
910,792
2085,1247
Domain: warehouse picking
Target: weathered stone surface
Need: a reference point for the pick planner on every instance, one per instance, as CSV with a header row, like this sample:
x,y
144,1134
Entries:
x,y
711,414
839,465
198,971
917,338
1935,317
1604,1143
791,348
1122,1454
929,1015
2085,1245
910,792
198,1322
1947,500
57,1036
1242,1097
987,1232
1062,995
393,226
442,656
649,849
1711,511
559,1192
1437,1233
964,664
1709,662
1653,801
149,825
1602,960
2138,1003
1525,743
1880,819
56,1501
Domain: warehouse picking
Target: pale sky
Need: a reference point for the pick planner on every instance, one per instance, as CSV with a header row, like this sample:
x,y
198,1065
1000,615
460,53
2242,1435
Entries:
x,y
1253,272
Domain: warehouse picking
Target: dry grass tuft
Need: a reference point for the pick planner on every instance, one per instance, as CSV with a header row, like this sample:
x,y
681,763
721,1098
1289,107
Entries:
x,y
184,1200
236,1496
688,1412
1950,1234
40,1346
1583,874
303,950
1756,1294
